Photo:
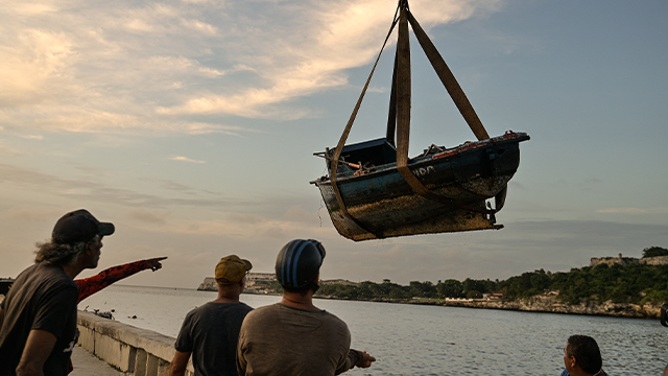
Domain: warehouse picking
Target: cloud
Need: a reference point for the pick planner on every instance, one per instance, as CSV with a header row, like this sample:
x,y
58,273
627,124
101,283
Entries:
x,y
243,226
149,67
10,151
173,186
36,60
148,216
634,210
298,214
32,136
86,190
185,159
31,215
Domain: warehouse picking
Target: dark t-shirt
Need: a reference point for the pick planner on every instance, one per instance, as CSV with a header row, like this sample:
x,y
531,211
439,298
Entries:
x,y
43,297
210,332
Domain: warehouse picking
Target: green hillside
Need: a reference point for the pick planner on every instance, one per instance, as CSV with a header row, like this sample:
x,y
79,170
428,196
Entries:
x,y
634,283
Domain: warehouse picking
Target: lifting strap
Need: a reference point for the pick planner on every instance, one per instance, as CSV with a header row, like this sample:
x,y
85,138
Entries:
x,y
344,137
448,80
403,94
399,113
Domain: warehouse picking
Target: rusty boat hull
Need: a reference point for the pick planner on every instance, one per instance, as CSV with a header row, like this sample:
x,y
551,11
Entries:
x,y
382,204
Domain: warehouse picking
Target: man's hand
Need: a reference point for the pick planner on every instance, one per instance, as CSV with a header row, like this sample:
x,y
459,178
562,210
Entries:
x,y
366,360
154,263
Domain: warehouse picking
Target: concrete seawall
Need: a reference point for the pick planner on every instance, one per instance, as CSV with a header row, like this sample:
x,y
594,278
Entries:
x,y
131,350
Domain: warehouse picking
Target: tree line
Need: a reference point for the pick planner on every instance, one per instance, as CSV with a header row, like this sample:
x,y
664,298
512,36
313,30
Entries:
x,y
634,283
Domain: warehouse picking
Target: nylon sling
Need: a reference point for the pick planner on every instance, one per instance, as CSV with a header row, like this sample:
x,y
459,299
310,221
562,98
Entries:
x,y
399,113
344,137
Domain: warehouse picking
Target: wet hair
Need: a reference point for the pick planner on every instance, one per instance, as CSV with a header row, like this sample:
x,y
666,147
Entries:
x,y
55,253
586,352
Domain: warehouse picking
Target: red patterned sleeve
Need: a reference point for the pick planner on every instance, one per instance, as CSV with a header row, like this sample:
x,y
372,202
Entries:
x,y
89,286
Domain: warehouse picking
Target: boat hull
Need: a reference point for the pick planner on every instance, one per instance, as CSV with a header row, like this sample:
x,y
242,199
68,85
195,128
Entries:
x,y
384,205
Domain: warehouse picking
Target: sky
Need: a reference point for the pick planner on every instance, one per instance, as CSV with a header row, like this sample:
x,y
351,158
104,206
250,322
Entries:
x,y
191,124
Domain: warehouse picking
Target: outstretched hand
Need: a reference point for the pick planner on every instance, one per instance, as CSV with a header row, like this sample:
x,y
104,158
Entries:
x,y
366,360
154,263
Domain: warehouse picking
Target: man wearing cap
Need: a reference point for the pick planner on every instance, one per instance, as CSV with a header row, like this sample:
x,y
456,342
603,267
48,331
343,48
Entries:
x,y
38,318
210,332
294,337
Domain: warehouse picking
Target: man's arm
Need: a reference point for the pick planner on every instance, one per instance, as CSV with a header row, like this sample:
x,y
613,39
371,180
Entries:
x,y
179,363
241,360
355,358
90,286
37,349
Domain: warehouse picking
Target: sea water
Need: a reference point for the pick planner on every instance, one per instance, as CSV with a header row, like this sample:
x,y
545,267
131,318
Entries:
x,y
429,340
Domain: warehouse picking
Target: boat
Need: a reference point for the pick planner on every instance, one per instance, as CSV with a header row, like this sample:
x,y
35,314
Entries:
x,y
384,205
374,191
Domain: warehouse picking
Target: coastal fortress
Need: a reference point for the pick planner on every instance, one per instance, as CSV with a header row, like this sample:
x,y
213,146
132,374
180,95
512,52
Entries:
x,y
623,261
260,283
257,283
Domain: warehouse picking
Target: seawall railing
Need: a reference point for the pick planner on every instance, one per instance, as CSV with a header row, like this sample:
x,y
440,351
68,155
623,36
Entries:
x,y
134,351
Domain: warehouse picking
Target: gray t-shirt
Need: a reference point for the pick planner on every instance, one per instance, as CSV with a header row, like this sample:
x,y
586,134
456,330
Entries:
x,y
280,340
210,332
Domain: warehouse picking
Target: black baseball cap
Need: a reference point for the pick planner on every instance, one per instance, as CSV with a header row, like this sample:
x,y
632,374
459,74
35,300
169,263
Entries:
x,y
79,226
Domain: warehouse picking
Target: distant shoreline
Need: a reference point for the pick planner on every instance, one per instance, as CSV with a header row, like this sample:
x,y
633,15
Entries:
x,y
538,304
544,303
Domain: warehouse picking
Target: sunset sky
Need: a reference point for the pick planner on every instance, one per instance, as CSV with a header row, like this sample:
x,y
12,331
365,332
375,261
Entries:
x,y
191,126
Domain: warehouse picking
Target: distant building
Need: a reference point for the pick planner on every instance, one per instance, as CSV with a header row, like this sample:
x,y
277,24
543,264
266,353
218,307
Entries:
x,y
338,282
260,282
497,295
254,281
610,261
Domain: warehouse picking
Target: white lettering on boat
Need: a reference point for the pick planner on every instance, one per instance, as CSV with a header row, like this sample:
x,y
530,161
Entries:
x,y
422,171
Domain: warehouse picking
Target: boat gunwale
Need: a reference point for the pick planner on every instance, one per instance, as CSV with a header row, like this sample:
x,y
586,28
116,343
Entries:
x,y
439,158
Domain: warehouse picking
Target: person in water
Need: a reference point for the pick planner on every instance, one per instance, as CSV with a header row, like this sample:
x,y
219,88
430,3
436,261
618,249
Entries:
x,y
210,331
294,337
582,357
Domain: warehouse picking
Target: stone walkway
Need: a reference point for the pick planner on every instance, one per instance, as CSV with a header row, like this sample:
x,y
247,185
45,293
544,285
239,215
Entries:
x,y
87,364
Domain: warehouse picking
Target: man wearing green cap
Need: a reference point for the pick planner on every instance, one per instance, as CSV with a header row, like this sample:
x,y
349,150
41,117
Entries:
x,y
209,333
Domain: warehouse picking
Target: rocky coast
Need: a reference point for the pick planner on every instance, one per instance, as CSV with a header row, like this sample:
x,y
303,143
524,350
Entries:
x,y
550,304
547,302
